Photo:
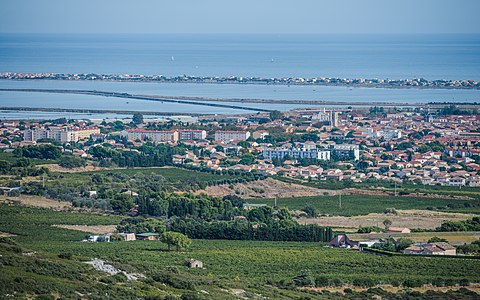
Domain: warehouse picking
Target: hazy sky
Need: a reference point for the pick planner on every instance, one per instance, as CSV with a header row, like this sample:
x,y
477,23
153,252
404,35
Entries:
x,y
245,16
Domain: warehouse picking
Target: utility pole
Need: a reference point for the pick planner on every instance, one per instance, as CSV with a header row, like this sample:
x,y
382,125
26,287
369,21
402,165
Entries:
x,y
43,180
395,189
340,200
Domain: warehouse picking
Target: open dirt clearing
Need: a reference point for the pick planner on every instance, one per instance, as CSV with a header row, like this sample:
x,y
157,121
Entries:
x,y
97,229
268,188
36,201
404,218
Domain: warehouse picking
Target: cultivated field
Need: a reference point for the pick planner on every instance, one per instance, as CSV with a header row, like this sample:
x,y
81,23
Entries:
x,y
261,268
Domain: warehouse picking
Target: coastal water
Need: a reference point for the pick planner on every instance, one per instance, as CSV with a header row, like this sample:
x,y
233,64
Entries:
x,y
344,56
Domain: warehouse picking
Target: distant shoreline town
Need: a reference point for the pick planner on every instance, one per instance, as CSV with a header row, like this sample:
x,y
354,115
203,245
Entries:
x,y
420,83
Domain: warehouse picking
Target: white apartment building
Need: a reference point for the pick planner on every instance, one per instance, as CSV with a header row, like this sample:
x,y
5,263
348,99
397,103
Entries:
x,y
296,153
63,135
322,116
192,134
228,135
152,135
346,150
387,134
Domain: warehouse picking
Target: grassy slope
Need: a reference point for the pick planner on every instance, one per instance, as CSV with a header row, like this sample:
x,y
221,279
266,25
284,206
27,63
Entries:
x,y
364,204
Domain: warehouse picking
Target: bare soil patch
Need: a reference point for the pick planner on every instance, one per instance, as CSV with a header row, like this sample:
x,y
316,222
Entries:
x,y
36,201
404,218
268,188
6,234
97,229
57,168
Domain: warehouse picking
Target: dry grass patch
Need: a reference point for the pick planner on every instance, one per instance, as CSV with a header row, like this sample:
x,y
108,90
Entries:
x,y
97,229
424,219
36,201
268,188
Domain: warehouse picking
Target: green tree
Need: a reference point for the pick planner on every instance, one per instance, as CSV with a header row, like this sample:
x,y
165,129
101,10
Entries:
x,y
436,239
387,223
275,115
247,159
122,203
403,243
284,214
243,144
310,210
304,279
176,239
70,161
137,118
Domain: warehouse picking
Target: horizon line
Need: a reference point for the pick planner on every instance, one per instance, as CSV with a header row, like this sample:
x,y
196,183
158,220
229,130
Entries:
x,y
243,33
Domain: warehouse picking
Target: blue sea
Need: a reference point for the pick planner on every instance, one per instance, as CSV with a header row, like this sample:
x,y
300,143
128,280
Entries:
x,y
344,56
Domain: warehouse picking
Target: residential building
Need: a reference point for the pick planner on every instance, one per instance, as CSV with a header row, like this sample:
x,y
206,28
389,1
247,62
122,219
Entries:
x,y
334,119
152,135
61,134
192,134
296,153
259,134
342,241
229,135
440,248
346,151
387,134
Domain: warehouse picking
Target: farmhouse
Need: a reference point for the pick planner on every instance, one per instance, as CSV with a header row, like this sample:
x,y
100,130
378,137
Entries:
x,y
441,248
342,241
128,236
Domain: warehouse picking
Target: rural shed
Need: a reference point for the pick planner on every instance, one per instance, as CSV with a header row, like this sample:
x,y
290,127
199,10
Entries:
x,y
194,263
147,236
